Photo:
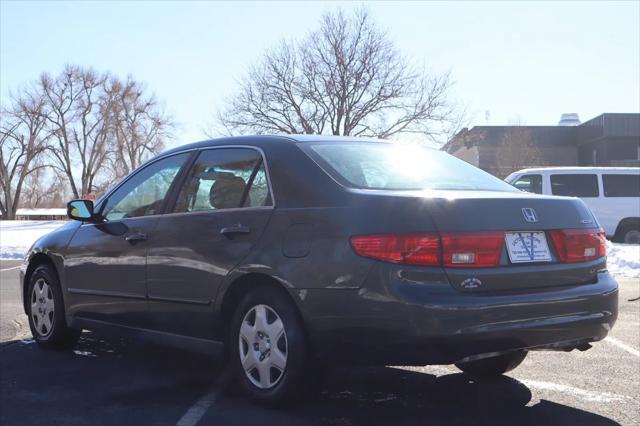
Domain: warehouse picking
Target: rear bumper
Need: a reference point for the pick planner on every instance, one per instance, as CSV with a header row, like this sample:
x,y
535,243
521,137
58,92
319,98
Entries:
x,y
432,323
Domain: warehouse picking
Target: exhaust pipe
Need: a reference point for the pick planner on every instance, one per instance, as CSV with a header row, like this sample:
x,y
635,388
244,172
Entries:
x,y
584,347
567,346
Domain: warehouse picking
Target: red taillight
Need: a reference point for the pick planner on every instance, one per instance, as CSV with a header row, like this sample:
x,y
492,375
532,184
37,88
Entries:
x,y
472,250
477,249
579,245
408,249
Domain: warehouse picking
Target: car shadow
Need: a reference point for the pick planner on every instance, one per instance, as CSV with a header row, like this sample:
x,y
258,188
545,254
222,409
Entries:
x,y
394,396
119,381
102,381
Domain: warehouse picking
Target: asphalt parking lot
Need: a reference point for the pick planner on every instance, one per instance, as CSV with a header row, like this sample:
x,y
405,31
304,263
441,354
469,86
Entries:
x,y
112,381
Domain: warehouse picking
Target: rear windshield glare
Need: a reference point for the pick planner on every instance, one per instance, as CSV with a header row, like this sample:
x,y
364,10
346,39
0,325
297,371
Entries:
x,y
395,166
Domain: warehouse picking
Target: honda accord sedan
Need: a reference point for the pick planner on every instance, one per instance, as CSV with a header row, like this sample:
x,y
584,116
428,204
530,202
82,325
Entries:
x,y
285,253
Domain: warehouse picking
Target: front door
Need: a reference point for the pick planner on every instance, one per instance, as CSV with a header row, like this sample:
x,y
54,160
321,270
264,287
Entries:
x,y
106,262
219,215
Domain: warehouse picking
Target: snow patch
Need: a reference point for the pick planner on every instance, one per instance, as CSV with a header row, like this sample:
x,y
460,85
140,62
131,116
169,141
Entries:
x,y
623,260
17,236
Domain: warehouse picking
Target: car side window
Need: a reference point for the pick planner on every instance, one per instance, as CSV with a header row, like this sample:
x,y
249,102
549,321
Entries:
x,y
529,183
621,185
259,194
575,185
225,178
144,193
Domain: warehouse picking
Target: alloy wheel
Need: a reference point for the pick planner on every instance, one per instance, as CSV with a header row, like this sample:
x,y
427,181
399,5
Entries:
x,y
263,346
42,307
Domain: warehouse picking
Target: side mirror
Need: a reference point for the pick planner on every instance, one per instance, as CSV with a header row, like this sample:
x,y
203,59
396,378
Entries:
x,y
81,210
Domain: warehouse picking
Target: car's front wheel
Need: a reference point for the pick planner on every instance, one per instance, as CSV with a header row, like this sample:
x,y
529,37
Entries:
x,y
46,310
268,349
493,366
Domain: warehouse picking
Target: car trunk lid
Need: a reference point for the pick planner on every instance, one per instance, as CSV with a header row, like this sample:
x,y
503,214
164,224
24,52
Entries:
x,y
494,213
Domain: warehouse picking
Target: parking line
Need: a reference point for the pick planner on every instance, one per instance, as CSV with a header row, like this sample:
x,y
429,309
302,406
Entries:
x,y
10,269
201,406
575,392
623,346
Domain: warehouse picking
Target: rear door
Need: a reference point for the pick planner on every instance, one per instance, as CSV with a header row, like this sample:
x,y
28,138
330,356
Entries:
x,y
218,216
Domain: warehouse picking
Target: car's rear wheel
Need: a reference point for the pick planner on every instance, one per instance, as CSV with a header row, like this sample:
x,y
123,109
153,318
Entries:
x,y
493,366
268,349
45,308
630,234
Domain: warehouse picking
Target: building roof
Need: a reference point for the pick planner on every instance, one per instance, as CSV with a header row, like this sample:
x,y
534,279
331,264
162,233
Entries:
x,y
41,212
603,126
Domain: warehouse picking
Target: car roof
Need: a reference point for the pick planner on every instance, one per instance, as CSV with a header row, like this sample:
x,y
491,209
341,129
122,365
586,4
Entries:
x,y
258,140
579,170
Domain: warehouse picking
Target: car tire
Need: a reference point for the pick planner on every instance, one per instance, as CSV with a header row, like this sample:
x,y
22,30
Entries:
x,y
45,309
268,348
493,366
629,233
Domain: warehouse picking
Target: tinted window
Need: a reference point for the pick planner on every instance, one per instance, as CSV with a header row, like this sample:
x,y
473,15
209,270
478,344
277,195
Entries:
x,y
399,167
144,193
529,183
621,185
259,191
224,179
581,185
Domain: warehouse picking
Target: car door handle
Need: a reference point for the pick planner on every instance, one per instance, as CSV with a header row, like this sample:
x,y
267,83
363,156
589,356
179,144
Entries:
x,y
235,229
134,238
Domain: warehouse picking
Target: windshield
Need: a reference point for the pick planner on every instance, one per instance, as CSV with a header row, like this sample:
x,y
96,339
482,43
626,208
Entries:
x,y
374,165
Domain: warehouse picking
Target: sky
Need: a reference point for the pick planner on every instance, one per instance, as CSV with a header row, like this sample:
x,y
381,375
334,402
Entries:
x,y
512,62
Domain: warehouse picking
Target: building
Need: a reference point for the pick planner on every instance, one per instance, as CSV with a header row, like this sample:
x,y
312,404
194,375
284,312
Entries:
x,y
606,140
41,214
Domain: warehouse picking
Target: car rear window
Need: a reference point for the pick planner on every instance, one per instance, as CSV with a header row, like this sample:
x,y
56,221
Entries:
x,y
529,183
621,185
395,166
575,185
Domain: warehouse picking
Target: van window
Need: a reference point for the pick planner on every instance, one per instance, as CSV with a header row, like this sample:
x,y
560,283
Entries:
x,y
578,185
529,183
621,185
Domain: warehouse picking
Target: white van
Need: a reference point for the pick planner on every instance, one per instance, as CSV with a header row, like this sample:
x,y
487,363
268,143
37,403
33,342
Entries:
x,y
612,193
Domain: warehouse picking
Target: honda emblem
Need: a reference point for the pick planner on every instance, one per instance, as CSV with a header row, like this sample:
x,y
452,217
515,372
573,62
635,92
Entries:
x,y
529,214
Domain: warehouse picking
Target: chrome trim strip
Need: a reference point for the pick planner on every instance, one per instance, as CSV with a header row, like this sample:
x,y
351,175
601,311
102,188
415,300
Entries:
x,y
105,293
178,300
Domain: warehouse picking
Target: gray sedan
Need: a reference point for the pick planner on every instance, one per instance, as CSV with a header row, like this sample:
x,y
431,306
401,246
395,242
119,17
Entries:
x,y
287,253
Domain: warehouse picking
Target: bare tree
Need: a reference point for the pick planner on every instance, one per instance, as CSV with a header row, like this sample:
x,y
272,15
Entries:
x,y
80,125
44,188
23,139
84,127
140,126
345,78
517,149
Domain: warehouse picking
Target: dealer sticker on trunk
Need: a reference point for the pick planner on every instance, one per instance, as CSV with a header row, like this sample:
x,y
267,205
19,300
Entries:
x,y
524,247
